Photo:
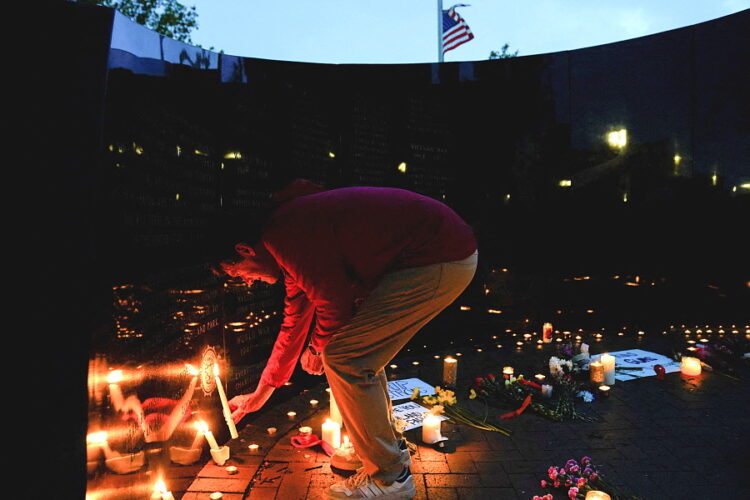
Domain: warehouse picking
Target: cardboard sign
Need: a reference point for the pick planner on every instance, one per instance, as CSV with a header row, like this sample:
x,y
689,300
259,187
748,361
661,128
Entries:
x,y
412,413
403,389
645,360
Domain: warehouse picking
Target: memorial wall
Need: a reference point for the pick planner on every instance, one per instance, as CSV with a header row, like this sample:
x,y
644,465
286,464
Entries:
x,y
624,163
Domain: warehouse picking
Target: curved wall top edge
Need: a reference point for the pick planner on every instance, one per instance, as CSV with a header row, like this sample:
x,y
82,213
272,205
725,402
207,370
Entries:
x,y
139,41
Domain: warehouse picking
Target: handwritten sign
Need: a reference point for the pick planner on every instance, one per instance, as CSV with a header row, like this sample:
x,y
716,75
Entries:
x,y
403,389
412,413
645,360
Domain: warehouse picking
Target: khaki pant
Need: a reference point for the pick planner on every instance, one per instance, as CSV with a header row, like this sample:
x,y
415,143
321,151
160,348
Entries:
x,y
354,359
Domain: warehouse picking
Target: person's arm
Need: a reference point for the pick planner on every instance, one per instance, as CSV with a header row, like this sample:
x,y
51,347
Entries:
x,y
298,315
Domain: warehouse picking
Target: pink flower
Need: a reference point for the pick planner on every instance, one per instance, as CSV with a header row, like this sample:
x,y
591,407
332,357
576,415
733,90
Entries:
x,y
568,482
593,476
581,482
556,484
573,493
544,483
548,496
553,473
573,469
552,469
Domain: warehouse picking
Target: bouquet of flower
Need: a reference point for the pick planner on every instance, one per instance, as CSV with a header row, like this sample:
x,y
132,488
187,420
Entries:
x,y
444,403
513,390
722,355
574,354
579,478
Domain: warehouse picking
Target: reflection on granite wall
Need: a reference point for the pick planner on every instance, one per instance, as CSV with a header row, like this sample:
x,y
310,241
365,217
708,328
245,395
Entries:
x,y
609,183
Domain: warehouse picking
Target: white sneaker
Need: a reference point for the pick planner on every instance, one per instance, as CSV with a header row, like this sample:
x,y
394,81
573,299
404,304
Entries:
x,y
361,485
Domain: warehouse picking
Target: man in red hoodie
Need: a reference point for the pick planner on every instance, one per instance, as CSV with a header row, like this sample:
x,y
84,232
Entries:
x,y
370,266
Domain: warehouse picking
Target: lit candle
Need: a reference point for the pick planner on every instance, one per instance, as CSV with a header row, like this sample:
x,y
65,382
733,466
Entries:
x,y
161,492
305,430
99,440
608,362
115,393
271,431
547,332
253,447
335,414
547,391
232,470
291,414
507,371
198,437
539,377
597,495
225,404
604,390
203,426
216,495
431,429
331,433
314,403
690,366
596,371
450,370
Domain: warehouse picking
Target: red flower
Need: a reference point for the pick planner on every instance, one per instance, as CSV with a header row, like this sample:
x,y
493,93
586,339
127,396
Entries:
x,y
491,377
479,381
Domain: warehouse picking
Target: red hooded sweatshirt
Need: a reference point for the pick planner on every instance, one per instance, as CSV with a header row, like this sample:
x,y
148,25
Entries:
x,y
334,246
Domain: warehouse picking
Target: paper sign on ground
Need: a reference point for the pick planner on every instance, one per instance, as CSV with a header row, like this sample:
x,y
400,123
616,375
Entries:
x,y
403,389
412,413
645,360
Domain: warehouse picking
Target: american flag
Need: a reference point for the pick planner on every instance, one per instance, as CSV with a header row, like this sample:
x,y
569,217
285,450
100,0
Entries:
x,y
455,29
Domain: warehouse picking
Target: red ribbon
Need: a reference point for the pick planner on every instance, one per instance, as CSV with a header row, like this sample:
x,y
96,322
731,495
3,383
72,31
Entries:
x,y
530,383
520,410
310,440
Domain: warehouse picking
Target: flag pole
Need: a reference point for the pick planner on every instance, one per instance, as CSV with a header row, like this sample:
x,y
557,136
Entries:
x,y
440,30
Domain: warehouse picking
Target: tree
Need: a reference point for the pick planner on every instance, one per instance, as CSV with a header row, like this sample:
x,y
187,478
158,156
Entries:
x,y
167,17
503,54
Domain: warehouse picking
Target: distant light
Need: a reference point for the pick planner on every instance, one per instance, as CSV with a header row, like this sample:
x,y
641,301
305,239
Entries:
x,y
624,197
507,197
565,183
745,185
331,154
677,159
714,179
402,167
179,150
494,311
233,155
138,149
177,197
617,139
465,308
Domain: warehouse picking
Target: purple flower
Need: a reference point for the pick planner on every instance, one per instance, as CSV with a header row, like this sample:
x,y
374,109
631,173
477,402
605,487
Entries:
x,y
570,463
574,469
586,460
587,471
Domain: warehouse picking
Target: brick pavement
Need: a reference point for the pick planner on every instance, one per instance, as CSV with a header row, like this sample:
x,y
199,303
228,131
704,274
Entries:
x,y
674,439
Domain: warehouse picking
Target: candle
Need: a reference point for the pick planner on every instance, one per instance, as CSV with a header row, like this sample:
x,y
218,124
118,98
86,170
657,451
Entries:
x,y
161,492
604,390
450,370
596,370
291,414
203,426
271,431
507,371
305,430
547,332
547,391
198,437
597,495
99,440
335,415
608,362
225,404
431,429
314,403
331,433
232,470
216,495
690,366
253,447
115,393
539,377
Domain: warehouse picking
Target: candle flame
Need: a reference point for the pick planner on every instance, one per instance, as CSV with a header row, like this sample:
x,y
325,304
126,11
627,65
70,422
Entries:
x,y
97,437
160,486
114,377
201,426
216,369
191,370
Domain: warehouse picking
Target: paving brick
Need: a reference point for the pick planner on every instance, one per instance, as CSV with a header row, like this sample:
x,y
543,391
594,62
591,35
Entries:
x,y
442,494
486,493
420,467
224,485
261,494
451,480
461,462
193,495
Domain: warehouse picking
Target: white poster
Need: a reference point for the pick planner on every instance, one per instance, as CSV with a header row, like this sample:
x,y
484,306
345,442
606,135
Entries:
x,y
641,364
412,413
403,389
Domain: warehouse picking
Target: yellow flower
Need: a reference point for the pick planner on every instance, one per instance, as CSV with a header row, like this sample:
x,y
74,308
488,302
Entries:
x,y
472,394
414,393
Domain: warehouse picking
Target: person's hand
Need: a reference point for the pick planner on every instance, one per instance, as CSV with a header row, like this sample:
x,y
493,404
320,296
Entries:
x,y
311,363
248,403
